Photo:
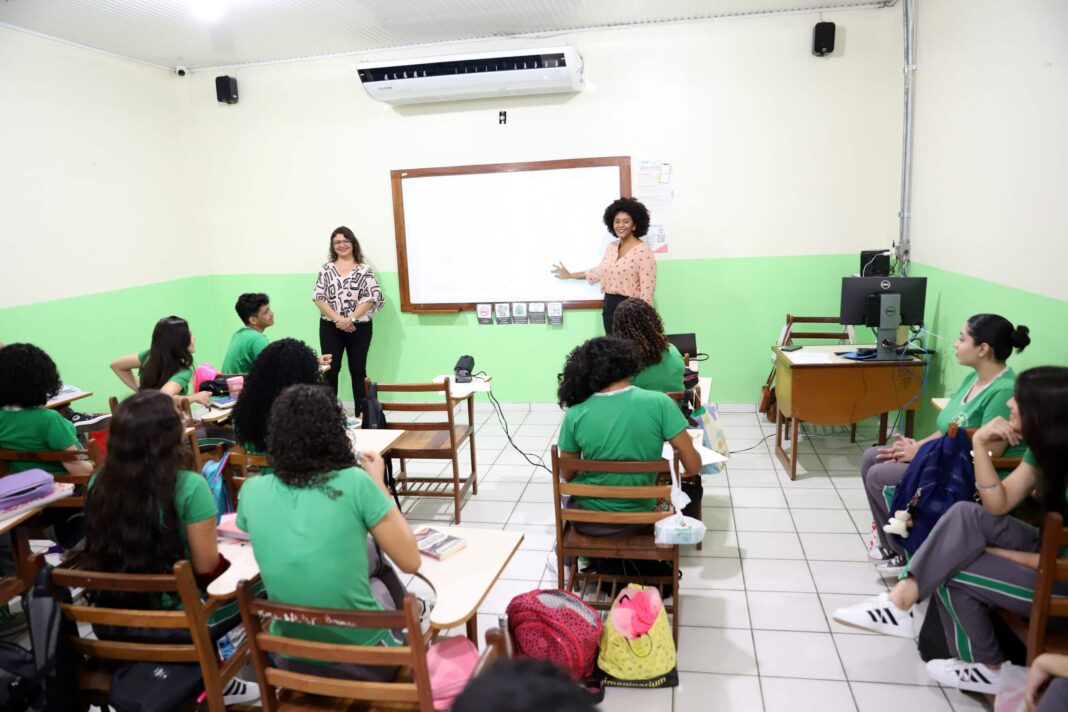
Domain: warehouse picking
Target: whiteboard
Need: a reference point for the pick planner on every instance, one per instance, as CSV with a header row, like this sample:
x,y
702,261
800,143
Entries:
x,y
478,234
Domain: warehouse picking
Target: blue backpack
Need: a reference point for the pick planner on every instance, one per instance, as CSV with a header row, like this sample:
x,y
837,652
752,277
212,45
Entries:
x,y
940,476
214,473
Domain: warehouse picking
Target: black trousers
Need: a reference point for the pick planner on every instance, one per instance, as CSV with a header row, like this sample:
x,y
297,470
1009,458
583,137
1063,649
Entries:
x,y
336,342
611,301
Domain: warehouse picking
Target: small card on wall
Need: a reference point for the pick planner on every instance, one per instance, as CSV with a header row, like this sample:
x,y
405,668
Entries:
x,y
519,312
555,311
503,312
536,312
485,313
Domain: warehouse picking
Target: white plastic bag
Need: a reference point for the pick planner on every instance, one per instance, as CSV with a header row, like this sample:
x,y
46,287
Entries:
x,y
678,528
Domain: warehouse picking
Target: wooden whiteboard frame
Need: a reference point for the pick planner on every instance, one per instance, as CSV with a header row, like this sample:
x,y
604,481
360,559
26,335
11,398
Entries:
x,y
396,176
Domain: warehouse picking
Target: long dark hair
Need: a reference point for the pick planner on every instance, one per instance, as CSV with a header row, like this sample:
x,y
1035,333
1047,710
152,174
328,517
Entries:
x,y
637,321
131,519
283,363
594,366
306,437
1042,399
999,333
357,253
28,376
169,352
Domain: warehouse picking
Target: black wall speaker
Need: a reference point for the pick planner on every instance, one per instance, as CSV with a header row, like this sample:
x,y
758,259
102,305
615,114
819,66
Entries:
x,y
226,89
822,39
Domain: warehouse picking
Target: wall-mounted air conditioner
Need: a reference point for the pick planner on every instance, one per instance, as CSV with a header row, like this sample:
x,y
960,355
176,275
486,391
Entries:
x,y
474,76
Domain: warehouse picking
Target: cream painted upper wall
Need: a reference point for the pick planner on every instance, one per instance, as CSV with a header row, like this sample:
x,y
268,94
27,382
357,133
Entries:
x,y
775,151
991,149
94,172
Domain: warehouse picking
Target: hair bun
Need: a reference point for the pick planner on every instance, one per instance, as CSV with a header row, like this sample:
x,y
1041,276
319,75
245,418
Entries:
x,y
1021,337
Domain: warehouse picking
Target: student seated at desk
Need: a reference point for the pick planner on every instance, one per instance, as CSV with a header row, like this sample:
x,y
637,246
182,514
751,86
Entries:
x,y
309,520
984,345
167,365
254,310
145,511
978,556
282,364
607,418
662,368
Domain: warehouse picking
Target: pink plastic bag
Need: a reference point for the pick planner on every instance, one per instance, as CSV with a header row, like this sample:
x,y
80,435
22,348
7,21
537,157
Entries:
x,y
201,373
451,663
635,614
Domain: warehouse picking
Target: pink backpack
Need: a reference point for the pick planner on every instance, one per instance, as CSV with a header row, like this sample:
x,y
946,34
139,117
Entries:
x,y
556,626
451,662
203,372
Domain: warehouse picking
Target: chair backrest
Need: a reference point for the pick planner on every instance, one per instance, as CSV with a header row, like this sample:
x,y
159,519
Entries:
x,y
239,467
1052,570
254,610
445,405
563,467
113,404
92,454
193,617
842,334
1000,463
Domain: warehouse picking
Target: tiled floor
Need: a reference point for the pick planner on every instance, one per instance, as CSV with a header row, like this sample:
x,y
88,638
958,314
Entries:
x,y
779,556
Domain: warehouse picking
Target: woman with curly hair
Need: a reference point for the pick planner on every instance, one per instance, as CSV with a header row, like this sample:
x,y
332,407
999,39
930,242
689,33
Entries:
x,y
309,521
284,363
146,510
628,268
661,363
607,418
167,365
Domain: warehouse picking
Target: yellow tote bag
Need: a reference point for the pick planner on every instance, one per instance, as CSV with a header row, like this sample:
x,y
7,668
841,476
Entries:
x,y
647,660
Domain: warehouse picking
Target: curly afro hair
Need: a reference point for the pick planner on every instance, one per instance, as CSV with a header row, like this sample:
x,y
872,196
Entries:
x,y
281,364
306,437
637,212
636,320
594,366
28,376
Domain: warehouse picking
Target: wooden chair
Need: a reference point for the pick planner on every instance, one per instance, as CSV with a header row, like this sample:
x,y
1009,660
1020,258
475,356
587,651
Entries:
x,y
431,440
570,544
104,657
1052,570
91,453
680,398
1000,463
239,467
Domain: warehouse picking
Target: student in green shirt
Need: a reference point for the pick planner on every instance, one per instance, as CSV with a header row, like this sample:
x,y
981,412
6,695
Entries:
x,y
607,418
254,310
661,363
985,343
309,521
167,365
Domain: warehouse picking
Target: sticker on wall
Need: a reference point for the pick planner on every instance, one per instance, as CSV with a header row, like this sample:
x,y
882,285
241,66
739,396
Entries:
x,y
536,312
519,312
485,313
657,192
504,313
555,311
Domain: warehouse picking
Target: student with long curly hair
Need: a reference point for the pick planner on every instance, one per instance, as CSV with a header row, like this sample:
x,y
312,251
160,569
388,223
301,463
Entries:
x,y
607,418
309,521
167,364
661,363
146,510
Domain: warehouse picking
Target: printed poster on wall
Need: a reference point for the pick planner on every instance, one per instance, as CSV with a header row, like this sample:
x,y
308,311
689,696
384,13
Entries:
x,y
519,312
485,313
555,310
655,189
536,312
503,312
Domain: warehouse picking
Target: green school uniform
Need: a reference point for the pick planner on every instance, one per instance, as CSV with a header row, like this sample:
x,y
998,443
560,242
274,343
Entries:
x,y
663,376
245,346
629,424
36,430
311,546
182,378
989,403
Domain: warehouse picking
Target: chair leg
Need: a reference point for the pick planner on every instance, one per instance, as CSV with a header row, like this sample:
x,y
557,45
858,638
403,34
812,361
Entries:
x,y
675,596
456,498
853,433
559,566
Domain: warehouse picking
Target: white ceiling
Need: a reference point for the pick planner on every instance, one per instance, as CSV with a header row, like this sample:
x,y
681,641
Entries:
x,y
213,33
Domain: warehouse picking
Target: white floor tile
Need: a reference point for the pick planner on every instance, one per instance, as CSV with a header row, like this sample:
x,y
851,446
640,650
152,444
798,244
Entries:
x,y
537,429
872,697
714,608
699,692
769,545
478,510
854,498
502,593
532,444
509,456
804,655
717,543
717,650
500,490
712,573
533,513
881,658
847,577
546,417
538,492
624,699
753,478
966,701
526,566
536,537
717,518
716,496
793,695
749,497
824,521
846,480
812,498
834,547
861,520
777,575
508,473
805,480
776,610
429,509
763,520
751,461
846,461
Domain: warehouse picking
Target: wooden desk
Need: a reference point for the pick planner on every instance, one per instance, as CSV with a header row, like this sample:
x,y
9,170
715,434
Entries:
x,y
462,391
461,582
66,396
12,586
379,441
816,386
214,414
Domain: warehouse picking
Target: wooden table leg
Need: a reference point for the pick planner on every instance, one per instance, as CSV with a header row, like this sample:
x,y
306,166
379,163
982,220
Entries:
x,y
910,422
884,420
472,629
788,459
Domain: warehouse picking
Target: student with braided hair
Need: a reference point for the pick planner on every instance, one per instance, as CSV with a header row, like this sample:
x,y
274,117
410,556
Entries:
x,y
661,363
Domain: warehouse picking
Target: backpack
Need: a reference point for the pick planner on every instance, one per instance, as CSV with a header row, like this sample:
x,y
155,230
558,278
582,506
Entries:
x,y
215,473
637,649
374,418
940,476
556,626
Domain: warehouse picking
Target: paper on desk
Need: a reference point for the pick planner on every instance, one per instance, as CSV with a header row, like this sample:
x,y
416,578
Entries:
x,y
708,457
800,357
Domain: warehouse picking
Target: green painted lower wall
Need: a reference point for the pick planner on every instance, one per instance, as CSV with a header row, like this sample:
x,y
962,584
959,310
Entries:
x,y
736,307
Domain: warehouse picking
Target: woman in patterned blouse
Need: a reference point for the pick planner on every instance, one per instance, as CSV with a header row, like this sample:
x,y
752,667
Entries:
x,y
347,294
628,268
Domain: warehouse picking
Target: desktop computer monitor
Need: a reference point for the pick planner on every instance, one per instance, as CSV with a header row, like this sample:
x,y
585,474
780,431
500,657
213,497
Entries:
x,y
884,303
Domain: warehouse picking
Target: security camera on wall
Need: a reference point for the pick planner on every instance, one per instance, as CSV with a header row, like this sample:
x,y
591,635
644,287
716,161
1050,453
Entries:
x,y
180,71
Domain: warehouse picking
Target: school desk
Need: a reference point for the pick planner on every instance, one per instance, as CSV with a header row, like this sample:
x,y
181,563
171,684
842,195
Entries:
x,y
11,586
67,395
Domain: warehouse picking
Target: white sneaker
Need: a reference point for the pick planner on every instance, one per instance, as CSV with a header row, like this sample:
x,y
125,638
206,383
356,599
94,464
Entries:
x,y
877,614
878,553
240,692
550,560
892,566
970,677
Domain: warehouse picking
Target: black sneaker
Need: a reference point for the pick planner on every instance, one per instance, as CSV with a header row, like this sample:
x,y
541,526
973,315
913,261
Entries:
x,y
88,418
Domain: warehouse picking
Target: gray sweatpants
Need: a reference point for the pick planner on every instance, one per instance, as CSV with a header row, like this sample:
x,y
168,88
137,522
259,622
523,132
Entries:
x,y
1055,698
877,475
952,565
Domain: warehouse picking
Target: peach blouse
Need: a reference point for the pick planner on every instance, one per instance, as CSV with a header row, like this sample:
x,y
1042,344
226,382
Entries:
x,y
632,275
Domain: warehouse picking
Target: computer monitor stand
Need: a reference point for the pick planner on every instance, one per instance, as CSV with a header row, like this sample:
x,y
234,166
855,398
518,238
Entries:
x,y
889,321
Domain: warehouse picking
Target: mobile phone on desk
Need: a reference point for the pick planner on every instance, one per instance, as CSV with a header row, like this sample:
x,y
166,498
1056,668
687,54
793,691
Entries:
x,y
794,347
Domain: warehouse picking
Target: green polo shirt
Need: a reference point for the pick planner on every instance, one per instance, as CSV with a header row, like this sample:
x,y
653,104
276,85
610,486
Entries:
x,y
245,346
665,375
991,402
182,378
629,424
36,430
